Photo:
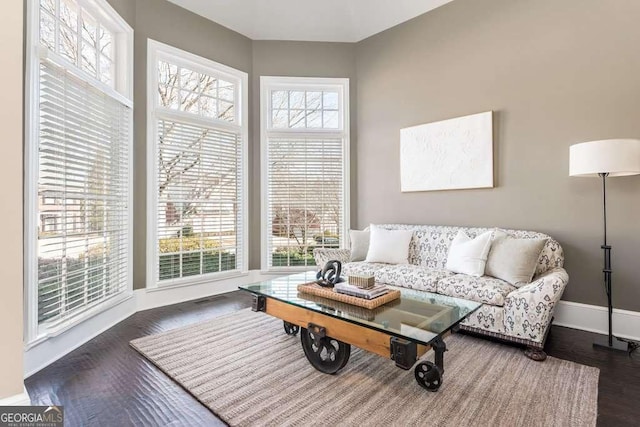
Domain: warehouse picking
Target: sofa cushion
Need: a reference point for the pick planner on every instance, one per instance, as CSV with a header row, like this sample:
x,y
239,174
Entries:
x,y
487,290
412,276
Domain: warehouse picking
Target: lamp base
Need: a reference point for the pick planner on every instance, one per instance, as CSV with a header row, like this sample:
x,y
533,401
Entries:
x,y
617,345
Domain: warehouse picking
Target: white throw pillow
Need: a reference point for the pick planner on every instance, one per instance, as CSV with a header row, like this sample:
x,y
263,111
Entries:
x,y
389,246
469,256
359,244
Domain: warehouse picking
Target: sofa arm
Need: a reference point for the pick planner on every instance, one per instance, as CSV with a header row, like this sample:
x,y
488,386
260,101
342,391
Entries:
x,y
324,255
528,310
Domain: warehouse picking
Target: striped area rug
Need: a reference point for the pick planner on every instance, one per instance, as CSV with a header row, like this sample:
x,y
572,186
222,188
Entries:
x,y
250,373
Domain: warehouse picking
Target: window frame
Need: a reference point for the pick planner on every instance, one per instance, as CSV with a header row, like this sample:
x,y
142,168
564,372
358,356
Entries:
x,y
269,84
122,91
156,51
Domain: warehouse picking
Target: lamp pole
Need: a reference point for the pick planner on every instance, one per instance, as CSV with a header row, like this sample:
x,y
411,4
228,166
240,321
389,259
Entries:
x,y
610,343
607,258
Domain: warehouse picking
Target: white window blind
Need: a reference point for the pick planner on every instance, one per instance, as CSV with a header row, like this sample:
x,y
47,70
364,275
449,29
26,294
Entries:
x,y
199,188
305,198
77,162
83,174
305,162
197,157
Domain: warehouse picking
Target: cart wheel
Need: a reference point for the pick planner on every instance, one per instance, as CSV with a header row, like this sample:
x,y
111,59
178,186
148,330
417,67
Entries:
x,y
326,354
290,328
428,375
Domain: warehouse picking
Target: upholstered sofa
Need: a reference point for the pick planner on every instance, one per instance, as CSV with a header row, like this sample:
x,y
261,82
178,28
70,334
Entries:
x,y
522,315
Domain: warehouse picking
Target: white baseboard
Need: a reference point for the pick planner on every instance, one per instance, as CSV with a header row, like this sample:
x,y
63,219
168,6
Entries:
x,y
21,399
48,351
158,297
593,318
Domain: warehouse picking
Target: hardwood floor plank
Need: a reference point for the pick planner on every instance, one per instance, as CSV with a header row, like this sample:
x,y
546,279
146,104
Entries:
x,y
106,382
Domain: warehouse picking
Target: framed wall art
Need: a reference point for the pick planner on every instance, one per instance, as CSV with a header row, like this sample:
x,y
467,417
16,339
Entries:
x,y
448,155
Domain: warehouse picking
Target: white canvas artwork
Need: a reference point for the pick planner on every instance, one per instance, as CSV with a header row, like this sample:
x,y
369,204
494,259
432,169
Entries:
x,y
447,155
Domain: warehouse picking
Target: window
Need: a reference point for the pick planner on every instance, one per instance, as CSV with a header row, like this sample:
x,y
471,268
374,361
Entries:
x,y
49,224
197,148
69,29
305,161
78,151
304,109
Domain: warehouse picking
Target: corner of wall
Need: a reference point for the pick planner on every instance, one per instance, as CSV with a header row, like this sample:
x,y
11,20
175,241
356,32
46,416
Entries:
x,y
11,254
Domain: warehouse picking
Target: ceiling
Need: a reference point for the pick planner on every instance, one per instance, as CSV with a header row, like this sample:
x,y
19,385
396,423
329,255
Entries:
x,y
309,20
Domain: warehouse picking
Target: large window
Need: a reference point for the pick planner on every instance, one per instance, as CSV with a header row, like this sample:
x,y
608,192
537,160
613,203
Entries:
x,y
305,160
197,139
78,151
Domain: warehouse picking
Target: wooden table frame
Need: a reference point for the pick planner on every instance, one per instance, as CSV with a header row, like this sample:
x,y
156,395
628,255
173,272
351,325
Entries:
x,y
404,352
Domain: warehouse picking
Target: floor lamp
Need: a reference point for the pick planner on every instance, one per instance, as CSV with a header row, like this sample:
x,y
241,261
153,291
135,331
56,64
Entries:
x,y
606,159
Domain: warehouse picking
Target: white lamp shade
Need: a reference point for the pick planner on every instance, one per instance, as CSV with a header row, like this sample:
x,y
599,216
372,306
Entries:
x,y
616,157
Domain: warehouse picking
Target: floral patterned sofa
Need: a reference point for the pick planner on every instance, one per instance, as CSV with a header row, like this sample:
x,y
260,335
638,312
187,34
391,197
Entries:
x,y
522,315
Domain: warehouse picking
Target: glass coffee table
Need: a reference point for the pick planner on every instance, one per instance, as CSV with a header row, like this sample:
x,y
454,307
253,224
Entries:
x,y
402,330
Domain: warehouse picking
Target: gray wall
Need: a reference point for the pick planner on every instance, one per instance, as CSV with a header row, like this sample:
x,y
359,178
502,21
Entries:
x,y
126,9
556,73
295,59
167,23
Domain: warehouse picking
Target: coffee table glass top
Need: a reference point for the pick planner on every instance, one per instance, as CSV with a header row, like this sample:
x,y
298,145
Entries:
x,y
417,315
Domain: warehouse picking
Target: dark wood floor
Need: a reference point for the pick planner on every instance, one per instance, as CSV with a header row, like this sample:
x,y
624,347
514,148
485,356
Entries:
x,y
106,382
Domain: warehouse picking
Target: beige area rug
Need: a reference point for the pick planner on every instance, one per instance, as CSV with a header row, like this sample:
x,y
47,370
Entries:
x,y
249,372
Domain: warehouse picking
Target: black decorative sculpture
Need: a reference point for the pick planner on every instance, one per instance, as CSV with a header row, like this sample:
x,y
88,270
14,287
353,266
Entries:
x,y
330,274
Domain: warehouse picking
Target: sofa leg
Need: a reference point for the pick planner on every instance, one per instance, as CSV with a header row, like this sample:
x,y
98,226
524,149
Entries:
x,y
536,354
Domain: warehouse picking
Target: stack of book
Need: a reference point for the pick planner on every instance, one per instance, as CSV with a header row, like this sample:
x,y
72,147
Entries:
x,y
355,291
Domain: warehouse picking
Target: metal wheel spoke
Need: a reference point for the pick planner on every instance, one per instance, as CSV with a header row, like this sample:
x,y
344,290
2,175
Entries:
x,y
330,353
